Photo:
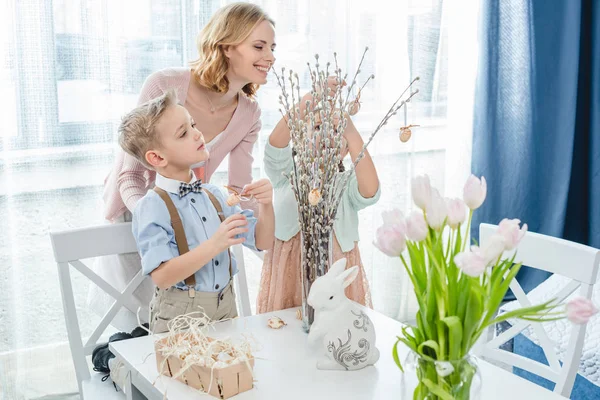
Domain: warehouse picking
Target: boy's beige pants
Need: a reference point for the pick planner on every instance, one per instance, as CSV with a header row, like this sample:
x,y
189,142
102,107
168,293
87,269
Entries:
x,y
172,302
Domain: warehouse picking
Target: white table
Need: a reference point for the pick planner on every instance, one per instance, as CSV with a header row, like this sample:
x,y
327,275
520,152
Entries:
x,y
285,367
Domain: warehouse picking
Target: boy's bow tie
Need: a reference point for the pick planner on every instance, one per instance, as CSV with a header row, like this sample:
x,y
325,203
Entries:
x,y
185,188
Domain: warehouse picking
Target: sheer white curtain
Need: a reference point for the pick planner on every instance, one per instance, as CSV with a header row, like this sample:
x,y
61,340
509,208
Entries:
x,y
70,68
442,38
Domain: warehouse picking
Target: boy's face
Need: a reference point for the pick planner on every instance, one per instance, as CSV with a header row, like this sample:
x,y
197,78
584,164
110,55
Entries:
x,y
181,144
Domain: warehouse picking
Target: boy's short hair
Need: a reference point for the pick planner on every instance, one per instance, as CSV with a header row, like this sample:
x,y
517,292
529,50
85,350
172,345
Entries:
x,y
136,131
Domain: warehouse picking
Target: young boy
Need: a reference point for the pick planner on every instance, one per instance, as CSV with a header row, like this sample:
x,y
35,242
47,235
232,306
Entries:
x,y
181,213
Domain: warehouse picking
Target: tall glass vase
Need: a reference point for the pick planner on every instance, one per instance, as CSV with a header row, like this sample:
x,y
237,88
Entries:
x,y
316,257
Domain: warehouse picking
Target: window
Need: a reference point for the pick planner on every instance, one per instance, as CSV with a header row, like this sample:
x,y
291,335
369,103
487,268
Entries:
x,y
71,68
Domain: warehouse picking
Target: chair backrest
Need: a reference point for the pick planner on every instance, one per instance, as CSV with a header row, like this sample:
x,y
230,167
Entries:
x,y
575,261
240,283
72,246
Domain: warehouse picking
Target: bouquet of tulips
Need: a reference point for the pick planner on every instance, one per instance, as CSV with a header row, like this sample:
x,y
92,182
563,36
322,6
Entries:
x,y
459,288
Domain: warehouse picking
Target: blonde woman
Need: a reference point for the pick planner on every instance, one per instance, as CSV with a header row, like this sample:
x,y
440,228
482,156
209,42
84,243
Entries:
x,y
235,54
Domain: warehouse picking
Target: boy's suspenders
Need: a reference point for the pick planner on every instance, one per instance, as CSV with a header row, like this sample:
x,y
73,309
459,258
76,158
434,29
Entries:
x,y
180,238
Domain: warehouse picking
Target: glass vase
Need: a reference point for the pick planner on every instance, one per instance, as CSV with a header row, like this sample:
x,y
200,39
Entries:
x,y
437,380
316,256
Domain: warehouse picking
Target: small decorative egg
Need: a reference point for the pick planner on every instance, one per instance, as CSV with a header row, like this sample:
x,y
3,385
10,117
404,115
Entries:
x,y
354,108
233,199
275,323
405,133
314,197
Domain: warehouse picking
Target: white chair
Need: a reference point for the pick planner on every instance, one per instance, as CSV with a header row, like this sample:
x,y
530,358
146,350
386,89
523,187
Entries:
x,y
578,263
72,246
240,284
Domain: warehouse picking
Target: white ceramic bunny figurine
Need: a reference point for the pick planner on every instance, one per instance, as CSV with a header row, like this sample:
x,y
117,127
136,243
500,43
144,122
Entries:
x,y
347,332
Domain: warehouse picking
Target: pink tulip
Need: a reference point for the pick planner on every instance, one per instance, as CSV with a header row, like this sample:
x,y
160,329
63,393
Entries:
x,y
457,213
471,263
394,217
436,210
474,192
416,227
511,232
391,236
580,310
493,249
421,191
390,241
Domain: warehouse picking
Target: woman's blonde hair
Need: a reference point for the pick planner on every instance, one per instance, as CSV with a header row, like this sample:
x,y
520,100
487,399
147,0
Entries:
x,y
229,26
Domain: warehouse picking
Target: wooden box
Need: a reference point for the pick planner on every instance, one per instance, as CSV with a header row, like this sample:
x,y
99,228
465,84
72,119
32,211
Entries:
x,y
226,382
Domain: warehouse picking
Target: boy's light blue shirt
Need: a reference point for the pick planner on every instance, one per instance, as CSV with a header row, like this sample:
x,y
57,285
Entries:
x,y
278,161
156,239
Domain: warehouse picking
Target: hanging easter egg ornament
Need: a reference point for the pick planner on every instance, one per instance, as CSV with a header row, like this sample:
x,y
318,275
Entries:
x,y
235,197
406,133
314,197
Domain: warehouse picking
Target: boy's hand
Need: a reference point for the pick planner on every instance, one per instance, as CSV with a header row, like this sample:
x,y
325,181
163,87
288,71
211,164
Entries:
x,y
234,225
262,190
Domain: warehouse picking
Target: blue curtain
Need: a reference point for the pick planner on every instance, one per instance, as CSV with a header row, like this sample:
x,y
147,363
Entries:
x,y
537,118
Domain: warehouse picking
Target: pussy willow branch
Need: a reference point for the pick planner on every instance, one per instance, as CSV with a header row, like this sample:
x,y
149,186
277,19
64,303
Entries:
x,y
391,112
316,129
355,75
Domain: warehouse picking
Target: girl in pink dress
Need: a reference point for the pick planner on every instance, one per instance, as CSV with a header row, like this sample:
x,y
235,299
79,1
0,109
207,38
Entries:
x,y
281,283
235,54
